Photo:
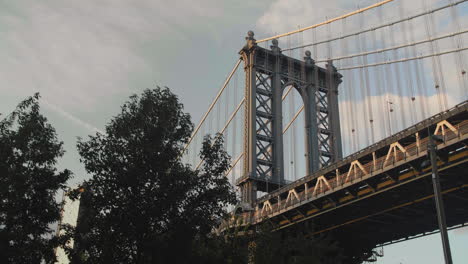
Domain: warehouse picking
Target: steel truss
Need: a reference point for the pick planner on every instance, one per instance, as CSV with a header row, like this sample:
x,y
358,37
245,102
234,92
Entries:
x,y
268,73
384,189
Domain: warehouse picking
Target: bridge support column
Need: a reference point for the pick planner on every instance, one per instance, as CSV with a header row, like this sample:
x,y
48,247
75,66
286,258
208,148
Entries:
x,y
333,80
277,106
310,115
263,143
248,193
268,73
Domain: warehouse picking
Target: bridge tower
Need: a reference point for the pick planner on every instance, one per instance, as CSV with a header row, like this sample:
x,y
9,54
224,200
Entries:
x,y
267,74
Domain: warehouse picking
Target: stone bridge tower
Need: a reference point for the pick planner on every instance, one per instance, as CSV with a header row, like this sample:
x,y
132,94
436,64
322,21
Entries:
x,y
268,73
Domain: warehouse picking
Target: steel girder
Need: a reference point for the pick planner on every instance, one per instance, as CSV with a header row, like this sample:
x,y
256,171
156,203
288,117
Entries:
x,y
268,73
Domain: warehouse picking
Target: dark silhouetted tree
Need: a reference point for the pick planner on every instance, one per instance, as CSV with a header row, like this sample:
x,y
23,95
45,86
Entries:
x,y
296,245
144,205
29,181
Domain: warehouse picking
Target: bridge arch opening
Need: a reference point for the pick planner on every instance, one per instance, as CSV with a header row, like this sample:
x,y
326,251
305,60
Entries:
x,y
293,129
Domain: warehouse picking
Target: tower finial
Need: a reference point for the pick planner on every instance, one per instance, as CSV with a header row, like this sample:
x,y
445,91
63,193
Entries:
x,y
274,47
331,66
250,39
308,59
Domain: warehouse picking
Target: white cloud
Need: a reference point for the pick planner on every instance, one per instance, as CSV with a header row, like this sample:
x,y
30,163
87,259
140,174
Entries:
x,y
63,54
77,53
286,15
86,57
71,117
386,117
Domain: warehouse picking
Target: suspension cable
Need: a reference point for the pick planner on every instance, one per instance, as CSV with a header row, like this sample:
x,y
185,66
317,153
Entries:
x,y
362,86
440,90
459,57
419,84
328,21
382,73
212,105
234,163
345,117
404,59
234,129
233,115
407,69
226,125
380,26
396,47
398,82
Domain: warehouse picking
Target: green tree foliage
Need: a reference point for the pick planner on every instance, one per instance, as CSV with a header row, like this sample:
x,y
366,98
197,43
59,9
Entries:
x,y
29,181
145,206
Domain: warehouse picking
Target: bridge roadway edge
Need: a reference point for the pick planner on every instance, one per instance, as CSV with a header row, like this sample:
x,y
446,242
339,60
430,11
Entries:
x,y
460,108
311,199
457,165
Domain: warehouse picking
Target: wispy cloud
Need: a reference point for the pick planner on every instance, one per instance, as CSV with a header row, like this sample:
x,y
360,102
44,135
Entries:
x,y
77,53
70,117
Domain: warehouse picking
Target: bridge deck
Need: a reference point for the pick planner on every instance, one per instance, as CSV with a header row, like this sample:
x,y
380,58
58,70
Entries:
x,y
379,184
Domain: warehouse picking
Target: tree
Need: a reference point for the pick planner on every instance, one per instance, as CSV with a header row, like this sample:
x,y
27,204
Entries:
x,y
264,244
144,204
296,245
29,180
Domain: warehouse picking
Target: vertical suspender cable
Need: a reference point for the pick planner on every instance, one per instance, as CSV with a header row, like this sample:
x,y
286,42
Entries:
x,y
193,149
369,98
424,85
218,115
380,85
439,81
314,38
210,124
351,104
234,130
363,86
292,137
294,129
210,108
345,116
388,106
399,93
419,84
304,77
407,70
290,113
329,43
459,56
224,117
352,111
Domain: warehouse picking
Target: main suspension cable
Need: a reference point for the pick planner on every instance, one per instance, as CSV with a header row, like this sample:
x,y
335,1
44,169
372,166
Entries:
x,y
380,26
327,21
395,47
404,59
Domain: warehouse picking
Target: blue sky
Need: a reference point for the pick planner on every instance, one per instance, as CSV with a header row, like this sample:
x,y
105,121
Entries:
x,y
86,57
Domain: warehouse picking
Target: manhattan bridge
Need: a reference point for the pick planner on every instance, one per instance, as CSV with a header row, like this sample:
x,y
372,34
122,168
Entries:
x,y
332,124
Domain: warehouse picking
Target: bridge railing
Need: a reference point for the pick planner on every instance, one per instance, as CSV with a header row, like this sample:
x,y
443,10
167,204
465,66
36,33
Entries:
x,y
353,175
374,167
